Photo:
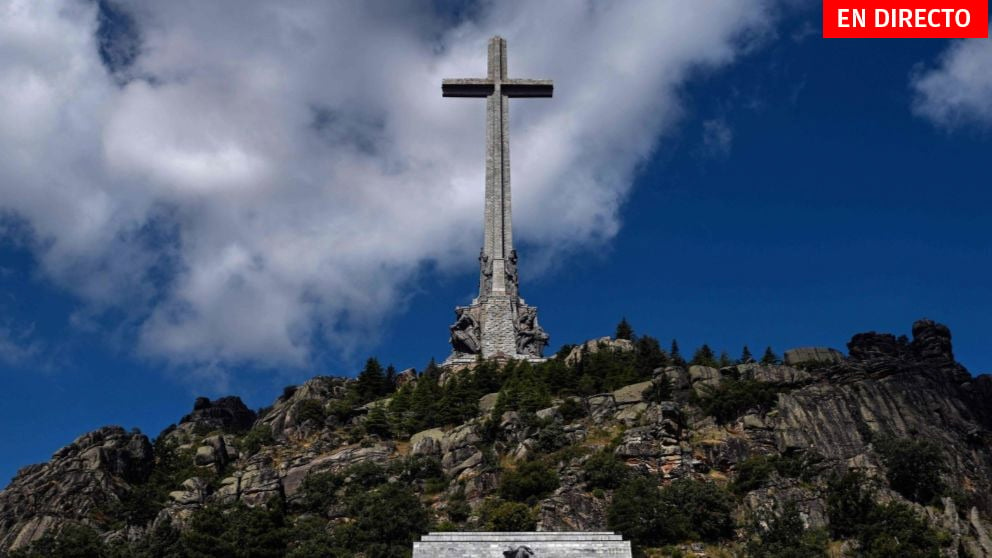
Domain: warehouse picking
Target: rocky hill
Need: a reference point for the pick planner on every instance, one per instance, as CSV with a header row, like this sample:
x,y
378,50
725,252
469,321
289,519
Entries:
x,y
884,452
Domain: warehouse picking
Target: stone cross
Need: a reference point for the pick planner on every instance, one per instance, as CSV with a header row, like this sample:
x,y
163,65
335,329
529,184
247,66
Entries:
x,y
498,323
497,88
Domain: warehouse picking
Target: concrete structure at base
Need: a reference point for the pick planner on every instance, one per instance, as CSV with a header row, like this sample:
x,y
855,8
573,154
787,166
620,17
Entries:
x,y
498,323
521,545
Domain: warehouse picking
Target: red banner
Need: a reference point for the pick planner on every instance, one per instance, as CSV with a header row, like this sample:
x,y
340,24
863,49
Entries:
x,y
905,19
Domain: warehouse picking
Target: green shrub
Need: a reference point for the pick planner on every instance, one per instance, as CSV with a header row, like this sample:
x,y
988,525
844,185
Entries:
x,y
787,537
309,409
605,470
529,482
895,529
417,468
892,529
507,516
705,505
458,507
236,531
75,541
914,468
754,472
309,537
387,520
659,390
642,515
733,397
850,502
551,438
704,356
572,409
258,436
377,424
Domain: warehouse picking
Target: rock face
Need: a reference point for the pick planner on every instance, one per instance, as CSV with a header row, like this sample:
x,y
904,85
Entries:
x,y
228,414
830,410
91,473
595,345
813,354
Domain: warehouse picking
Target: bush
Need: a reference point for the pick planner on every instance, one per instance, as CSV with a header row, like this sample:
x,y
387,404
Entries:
x,y
572,409
914,468
892,529
508,516
659,390
705,505
318,491
787,537
75,541
754,472
236,531
309,409
387,520
895,529
732,398
309,537
850,501
458,507
260,435
604,470
642,515
377,424
551,438
530,482
686,509
704,357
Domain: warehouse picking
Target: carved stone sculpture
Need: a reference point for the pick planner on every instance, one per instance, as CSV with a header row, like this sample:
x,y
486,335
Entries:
x,y
465,332
512,279
531,338
485,272
518,552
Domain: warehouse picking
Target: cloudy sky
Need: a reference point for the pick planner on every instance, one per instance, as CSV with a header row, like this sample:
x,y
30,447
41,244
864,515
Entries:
x,y
229,196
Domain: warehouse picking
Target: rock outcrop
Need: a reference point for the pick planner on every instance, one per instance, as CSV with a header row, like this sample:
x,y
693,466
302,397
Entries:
x,y
89,475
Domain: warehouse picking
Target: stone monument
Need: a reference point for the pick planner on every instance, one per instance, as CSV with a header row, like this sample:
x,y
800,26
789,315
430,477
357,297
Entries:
x,y
541,544
498,323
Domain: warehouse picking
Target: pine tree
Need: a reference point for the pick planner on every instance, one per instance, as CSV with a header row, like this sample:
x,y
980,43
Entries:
x,y
677,359
425,399
371,381
769,357
390,384
725,360
704,357
745,356
377,424
624,331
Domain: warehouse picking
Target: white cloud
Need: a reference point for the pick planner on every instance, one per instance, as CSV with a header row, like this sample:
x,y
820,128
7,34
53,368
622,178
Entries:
x,y
958,91
276,173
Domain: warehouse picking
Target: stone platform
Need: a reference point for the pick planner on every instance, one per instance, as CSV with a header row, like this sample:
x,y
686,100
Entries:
x,y
541,544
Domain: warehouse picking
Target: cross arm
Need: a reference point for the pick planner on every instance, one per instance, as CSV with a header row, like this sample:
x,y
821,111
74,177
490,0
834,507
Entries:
x,y
527,87
466,87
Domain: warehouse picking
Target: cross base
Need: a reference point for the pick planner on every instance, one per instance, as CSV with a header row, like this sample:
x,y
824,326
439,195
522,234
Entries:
x,y
500,327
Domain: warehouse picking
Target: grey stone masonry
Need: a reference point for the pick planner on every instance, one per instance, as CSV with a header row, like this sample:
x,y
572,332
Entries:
x,y
514,545
498,323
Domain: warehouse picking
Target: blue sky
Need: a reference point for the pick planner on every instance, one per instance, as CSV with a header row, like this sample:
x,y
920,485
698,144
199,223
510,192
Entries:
x,y
774,189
